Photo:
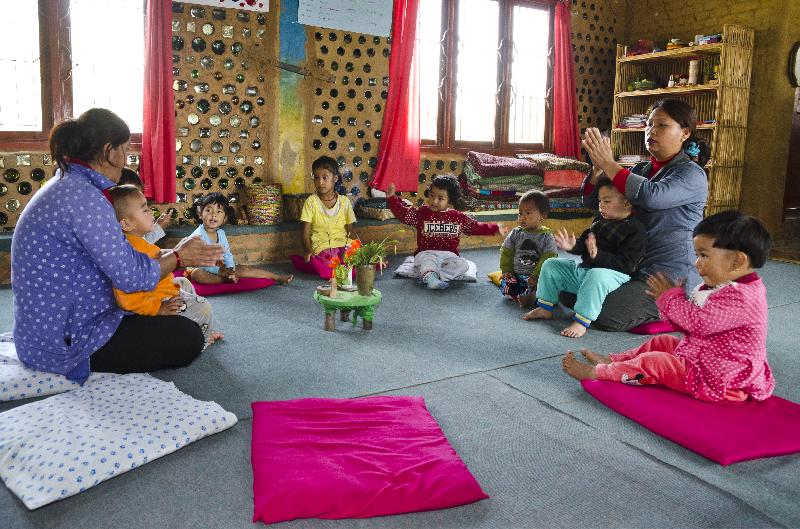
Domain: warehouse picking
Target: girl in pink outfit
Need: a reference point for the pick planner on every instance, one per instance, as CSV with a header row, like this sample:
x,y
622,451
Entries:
x,y
722,355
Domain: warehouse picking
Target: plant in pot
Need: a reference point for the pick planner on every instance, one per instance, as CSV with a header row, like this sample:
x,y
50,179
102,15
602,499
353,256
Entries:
x,y
364,257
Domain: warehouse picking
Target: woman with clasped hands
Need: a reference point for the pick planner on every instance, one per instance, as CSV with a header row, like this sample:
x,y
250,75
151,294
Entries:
x,y
668,194
68,252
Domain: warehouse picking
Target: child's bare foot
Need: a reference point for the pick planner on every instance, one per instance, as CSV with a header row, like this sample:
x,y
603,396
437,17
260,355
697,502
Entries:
x,y
575,330
577,369
594,357
284,279
215,337
538,314
527,300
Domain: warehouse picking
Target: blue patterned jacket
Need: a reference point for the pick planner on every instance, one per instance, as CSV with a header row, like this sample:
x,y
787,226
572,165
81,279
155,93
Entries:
x,y
66,254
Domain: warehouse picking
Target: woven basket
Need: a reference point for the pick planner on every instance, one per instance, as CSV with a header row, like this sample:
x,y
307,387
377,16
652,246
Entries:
x,y
373,208
264,204
293,206
375,213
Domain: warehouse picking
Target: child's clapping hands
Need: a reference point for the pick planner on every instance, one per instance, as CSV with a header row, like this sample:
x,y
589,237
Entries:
x,y
565,239
659,283
171,307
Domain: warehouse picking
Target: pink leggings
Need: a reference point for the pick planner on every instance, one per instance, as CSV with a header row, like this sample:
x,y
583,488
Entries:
x,y
653,362
319,264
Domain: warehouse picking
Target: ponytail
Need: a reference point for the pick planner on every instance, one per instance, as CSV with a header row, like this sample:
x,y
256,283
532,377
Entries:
x,y
698,150
64,141
84,138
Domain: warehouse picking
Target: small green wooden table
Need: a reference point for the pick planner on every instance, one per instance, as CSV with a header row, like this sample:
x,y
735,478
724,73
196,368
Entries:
x,y
344,301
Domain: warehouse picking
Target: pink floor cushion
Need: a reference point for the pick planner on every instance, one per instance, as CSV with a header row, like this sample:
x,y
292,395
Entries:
x,y
244,284
353,458
653,327
725,432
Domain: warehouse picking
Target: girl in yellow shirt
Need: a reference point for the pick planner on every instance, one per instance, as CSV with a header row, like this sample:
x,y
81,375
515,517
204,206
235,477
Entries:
x,y
327,219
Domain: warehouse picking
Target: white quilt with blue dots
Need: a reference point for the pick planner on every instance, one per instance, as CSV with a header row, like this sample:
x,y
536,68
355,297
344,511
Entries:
x,y
17,382
406,269
62,445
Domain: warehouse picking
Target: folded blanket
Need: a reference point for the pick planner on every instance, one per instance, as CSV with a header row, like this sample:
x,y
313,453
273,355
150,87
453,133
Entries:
x,y
551,162
407,269
517,188
475,179
18,382
490,165
62,445
566,203
474,204
563,192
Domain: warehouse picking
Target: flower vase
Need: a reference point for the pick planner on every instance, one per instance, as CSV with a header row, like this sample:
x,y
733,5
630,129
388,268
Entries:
x,y
347,281
365,279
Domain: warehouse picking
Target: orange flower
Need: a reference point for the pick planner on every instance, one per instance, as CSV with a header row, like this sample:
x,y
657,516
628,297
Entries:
x,y
355,245
335,262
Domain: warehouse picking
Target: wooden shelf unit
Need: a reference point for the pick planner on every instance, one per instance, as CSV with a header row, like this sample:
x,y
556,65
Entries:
x,y
706,126
725,102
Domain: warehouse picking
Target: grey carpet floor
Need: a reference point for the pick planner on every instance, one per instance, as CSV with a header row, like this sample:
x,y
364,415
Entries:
x,y
547,453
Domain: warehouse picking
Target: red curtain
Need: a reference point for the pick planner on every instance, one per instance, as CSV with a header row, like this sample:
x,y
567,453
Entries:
x,y
566,139
157,165
398,152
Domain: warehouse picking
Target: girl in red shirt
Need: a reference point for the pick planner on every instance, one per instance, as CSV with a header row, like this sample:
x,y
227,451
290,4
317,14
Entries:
x,y
439,229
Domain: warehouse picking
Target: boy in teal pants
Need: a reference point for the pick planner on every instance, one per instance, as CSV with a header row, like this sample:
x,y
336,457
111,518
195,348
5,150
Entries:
x,y
610,251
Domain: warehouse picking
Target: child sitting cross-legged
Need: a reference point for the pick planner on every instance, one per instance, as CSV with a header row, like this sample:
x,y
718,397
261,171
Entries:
x,y
439,229
172,296
610,250
526,248
213,212
327,219
723,354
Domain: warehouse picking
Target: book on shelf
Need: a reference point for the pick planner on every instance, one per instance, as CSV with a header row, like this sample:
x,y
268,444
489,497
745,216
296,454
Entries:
x,y
632,158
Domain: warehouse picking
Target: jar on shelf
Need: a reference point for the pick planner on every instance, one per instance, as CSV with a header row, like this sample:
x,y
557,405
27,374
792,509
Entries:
x,y
694,70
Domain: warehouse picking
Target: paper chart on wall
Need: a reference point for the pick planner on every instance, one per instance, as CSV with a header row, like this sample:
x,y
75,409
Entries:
x,y
373,17
248,5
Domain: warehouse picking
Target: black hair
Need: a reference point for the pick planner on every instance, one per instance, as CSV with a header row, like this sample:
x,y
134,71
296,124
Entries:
x,y
733,230
120,195
213,198
129,176
538,199
684,114
326,162
449,184
604,181
85,137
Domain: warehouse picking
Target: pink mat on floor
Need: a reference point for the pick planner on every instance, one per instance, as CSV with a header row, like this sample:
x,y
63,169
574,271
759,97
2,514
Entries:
x,y
653,327
353,458
725,432
244,284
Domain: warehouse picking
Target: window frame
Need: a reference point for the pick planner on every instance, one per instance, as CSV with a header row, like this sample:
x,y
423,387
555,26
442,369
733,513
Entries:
x,y
55,52
448,60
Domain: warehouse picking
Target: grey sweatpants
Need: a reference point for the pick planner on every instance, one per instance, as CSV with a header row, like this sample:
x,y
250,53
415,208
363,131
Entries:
x,y
196,308
446,264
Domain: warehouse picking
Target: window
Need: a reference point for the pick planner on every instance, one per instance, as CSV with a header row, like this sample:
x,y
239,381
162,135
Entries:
x,y
484,74
62,57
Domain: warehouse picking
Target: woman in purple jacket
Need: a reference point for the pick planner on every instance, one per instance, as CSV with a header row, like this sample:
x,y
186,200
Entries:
x,y
68,253
669,195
